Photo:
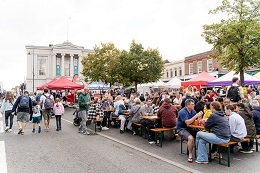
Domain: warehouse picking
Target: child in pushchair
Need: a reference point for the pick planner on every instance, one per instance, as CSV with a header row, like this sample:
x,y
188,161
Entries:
x,y
77,119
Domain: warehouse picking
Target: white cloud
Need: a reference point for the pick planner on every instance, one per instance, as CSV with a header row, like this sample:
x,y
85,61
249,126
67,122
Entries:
x,y
174,27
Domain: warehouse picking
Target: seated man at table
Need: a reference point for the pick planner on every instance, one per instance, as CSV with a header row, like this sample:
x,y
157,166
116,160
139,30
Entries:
x,y
237,125
187,116
123,108
219,125
167,113
147,109
118,101
107,105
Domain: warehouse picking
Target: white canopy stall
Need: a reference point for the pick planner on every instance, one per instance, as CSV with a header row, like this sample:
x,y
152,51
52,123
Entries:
x,y
173,83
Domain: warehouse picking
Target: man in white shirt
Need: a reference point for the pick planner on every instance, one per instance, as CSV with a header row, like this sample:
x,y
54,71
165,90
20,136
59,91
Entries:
x,y
147,109
119,101
237,126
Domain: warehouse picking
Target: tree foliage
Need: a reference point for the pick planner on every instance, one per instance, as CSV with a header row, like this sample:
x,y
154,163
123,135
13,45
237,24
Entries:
x,y
110,65
140,65
236,40
101,65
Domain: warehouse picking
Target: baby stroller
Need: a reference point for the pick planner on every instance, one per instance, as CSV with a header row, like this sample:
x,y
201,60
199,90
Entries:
x,y
76,120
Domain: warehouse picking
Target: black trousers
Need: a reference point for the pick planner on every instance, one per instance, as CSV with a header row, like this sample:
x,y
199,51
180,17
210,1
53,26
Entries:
x,y
248,145
106,116
7,115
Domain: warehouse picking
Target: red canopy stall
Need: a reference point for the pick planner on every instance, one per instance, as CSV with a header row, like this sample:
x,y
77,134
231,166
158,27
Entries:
x,y
63,83
46,84
198,81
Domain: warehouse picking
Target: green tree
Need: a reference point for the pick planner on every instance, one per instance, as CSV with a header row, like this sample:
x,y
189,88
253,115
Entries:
x,y
236,40
101,65
140,66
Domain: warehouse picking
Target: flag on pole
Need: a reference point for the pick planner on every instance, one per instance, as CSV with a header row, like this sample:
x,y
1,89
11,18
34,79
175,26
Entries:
x,y
75,77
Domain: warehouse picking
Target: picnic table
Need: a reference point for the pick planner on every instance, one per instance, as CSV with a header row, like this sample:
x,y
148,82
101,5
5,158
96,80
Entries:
x,y
153,118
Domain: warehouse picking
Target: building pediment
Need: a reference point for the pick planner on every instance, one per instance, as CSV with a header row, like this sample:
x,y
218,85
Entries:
x,y
67,45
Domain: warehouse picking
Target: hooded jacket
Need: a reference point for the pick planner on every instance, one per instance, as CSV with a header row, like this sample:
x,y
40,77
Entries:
x,y
167,113
219,125
250,125
256,118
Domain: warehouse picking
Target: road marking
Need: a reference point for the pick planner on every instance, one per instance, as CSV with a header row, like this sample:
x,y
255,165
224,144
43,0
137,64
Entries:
x,y
3,167
1,115
144,151
1,127
67,121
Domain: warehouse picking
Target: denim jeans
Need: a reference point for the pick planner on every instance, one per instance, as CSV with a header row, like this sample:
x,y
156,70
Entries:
x,y
202,139
83,115
58,121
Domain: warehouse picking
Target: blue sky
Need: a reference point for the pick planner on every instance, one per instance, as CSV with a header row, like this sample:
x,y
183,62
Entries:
x,y
174,27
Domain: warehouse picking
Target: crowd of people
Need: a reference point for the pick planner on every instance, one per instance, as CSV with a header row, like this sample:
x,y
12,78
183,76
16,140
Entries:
x,y
229,113
29,108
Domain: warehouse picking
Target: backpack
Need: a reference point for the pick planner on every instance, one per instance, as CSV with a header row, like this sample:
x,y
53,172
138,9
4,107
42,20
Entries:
x,y
37,98
233,94
49,103
24,101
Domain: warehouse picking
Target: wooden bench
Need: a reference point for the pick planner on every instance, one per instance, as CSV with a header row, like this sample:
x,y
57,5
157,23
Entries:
x,y
159,134
116,120
140,132
227,145
95,124
256,142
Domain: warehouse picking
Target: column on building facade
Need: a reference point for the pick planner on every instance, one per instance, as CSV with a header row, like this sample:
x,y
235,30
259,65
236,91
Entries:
x,y
54,60
71,65
80,66
62,64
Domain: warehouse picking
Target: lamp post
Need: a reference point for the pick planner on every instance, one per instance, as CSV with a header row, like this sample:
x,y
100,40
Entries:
x,y
33,70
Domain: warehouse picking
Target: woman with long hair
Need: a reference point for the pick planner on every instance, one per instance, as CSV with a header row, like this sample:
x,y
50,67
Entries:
x,y
219,126
6,109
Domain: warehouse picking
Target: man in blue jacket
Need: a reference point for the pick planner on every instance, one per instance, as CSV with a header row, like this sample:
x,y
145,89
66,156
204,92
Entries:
x,y
123,109
24,105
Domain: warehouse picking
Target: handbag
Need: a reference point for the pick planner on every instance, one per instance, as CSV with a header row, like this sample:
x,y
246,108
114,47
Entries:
x,y
137,116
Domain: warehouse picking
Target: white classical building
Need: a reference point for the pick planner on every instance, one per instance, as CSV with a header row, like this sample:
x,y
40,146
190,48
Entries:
x,y
173,69
47,62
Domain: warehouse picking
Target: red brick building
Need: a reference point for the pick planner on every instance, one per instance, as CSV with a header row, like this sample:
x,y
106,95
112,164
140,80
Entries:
x,y
195,64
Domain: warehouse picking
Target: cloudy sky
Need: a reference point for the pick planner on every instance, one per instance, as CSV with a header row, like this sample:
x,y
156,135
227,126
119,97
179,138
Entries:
x,y
174,27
